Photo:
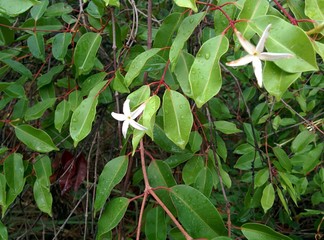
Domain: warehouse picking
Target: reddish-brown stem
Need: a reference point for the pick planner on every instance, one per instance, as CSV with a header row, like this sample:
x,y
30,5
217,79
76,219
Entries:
x,y
291,19
162,82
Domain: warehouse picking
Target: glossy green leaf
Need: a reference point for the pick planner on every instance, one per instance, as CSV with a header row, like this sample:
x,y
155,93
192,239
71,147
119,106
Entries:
x,y
283,200
281,35
177,159
298,9
195,141
204,181
313,158
226,127
256,231
138,96
38,10
245,161
302,140
251,9
111,175
137,65
61,41
196,213
118,84
261,177
43,197
3,231
86,51
191,169
187,4
225,177
14,172
82,119
62,114
185,30
91,82
282,158
39,109
111,216
15,7
112,3
75,98
160,175
164,142
3,185
182,70
43,170
177,117
165,33
276,81
18,67
314,9
36,46
48,77
35,139
6,34
58,9
205,75
155,225
268,197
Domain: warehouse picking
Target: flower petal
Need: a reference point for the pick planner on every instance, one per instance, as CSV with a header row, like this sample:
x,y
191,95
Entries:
x,y
137,125
126,108
249,47
118,116
274,56
125,128
138,111
265,34
241,61
257,67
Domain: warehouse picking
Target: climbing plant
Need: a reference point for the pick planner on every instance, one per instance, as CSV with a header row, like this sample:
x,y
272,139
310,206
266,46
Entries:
x,y
161,119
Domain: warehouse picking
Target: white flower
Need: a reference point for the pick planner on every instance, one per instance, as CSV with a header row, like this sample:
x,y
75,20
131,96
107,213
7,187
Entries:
x,y
128,117
256,54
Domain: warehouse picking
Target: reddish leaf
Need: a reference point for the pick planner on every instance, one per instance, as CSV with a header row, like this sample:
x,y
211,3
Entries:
x,y
81,171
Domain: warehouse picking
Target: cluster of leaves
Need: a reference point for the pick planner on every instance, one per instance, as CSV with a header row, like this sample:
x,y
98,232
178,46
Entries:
x,y
216,146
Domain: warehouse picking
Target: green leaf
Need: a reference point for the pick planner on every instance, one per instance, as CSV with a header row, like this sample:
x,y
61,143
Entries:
x,y
18,67
61,41
111,175
282,158
38,10
3,232
268,197
204,181
276,81
261,177
226,127
245,161
191,169
112,3
48,77
182,70
43,170
15,7
43,197
3,185
251,9
62,114
35,139
118,84
165,33
58,9
256,231
86,51
185,30
138,96
75,98
39,109
43,26
196,213
6,34
205,75
155,224
313,157
187,4
177,117
36,46
195,141
82,119
111,216
302,140
177,159
14,172
283,200
281,35
137,65
314,9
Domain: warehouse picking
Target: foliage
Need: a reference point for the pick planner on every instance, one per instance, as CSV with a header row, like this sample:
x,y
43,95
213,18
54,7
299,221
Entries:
x,y
213,155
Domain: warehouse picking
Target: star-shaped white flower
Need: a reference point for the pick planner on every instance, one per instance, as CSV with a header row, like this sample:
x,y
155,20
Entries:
x,y
128,117
256,54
